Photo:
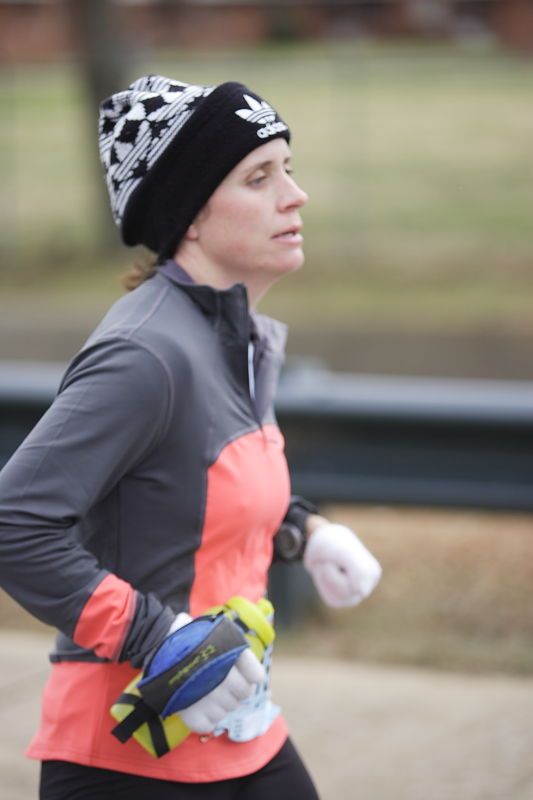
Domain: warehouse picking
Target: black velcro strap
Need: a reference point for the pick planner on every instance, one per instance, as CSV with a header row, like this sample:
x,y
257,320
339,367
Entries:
x,y
140,714
159,740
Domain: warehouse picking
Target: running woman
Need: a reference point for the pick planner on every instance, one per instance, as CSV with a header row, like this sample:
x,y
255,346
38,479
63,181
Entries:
x,y
155,485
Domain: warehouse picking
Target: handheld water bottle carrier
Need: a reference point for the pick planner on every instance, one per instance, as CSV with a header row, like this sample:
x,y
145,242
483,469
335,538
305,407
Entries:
x,y
189,664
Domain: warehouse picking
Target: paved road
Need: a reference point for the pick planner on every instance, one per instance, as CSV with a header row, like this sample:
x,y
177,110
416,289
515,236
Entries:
x,y
368,733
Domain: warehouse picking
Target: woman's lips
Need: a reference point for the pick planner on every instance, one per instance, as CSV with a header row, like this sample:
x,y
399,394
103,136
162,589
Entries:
x,y
289,237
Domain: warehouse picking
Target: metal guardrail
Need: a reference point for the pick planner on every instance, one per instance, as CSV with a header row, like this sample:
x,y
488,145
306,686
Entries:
x,y
420,441
365,439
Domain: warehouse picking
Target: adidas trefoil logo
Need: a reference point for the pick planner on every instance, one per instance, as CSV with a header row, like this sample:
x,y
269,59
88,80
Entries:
x,y
260,113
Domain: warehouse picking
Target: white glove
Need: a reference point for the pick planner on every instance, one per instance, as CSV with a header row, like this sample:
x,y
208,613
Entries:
x,y
343,570
180,620
204,715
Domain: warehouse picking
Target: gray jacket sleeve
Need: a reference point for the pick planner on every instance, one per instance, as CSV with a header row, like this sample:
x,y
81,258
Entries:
x,y
111,410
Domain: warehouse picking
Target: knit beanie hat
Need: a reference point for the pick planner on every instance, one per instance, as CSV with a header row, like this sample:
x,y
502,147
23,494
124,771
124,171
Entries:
x,y
165,146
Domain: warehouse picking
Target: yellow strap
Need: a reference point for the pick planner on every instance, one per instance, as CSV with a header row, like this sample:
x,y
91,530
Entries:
x,y
174,728
254,617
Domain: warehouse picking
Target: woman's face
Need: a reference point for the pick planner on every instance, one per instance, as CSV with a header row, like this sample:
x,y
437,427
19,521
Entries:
x,y
250,229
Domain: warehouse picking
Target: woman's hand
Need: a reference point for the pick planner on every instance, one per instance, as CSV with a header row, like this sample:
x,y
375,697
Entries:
x,y
343,570
204,715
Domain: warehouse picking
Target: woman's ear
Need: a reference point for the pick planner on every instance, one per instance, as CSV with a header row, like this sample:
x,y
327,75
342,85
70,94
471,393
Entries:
x,y
191,234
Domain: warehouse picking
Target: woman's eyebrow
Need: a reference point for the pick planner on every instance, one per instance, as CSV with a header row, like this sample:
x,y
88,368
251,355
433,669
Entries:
x,y
265,165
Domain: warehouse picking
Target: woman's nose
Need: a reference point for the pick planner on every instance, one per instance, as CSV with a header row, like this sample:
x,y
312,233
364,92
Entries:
x,y
303,197
294,196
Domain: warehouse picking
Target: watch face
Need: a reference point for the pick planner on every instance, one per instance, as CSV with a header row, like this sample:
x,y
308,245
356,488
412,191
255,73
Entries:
x,y
289,542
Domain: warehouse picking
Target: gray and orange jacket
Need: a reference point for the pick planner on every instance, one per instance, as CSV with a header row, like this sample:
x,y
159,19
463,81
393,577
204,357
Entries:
x,y
155,483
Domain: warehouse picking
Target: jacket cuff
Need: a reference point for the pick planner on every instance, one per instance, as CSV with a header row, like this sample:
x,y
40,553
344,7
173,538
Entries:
x,y
298,511
149,627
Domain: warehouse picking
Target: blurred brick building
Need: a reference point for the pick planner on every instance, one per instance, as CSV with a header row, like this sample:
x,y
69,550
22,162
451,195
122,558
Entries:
x,y
34,30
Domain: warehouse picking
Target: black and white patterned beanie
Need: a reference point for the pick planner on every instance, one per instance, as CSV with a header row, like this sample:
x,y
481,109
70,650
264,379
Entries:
x,y
166,146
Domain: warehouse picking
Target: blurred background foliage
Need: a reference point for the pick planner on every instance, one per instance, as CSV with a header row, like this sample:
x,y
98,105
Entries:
x,y
416,156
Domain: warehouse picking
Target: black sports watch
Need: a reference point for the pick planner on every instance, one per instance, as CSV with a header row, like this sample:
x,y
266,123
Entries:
x,y
289,543
290,540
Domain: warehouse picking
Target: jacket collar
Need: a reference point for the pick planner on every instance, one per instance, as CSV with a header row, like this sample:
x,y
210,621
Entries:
x,y
231,307
210,300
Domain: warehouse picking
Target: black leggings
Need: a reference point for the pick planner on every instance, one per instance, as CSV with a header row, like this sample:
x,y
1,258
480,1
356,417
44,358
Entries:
x,y
283,778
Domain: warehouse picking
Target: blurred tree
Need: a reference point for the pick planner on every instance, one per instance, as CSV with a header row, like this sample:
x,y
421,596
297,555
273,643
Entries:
x,y
282,25
430,16
101,53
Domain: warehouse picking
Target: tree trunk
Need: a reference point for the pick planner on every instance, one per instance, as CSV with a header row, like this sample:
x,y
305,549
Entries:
x,y
100,48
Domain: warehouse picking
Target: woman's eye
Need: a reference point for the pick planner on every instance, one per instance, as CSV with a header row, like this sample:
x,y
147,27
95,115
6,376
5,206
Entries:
x,y
257,180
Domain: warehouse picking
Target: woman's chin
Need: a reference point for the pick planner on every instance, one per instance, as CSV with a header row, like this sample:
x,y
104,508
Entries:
x,y
292,263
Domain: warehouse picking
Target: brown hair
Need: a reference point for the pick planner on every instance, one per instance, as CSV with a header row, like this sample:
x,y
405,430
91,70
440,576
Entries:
x,y
140,271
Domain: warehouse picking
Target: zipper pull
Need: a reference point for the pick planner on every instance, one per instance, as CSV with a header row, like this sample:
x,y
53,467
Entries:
x,y
251,373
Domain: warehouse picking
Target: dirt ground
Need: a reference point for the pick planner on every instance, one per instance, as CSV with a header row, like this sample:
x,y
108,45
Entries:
x,y
366,732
